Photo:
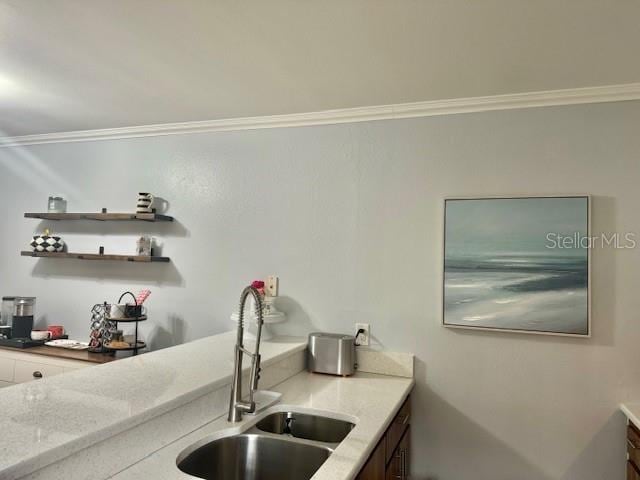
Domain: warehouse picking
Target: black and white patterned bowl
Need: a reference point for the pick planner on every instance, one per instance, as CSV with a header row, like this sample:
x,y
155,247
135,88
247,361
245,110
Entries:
x,y
46,243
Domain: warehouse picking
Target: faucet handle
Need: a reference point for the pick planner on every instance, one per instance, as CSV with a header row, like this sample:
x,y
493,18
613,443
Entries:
x,y
255,372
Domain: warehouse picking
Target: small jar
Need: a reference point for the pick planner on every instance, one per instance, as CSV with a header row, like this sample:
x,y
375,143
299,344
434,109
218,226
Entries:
x,y
57,204
117,336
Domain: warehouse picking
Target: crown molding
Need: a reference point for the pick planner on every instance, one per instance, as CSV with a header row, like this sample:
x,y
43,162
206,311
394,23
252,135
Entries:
x,y
574,96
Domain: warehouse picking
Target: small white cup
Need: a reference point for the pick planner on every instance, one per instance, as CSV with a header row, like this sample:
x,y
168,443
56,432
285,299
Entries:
x,y
40,335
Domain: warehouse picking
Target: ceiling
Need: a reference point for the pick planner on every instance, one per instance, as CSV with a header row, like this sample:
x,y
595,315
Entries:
x,y
70,65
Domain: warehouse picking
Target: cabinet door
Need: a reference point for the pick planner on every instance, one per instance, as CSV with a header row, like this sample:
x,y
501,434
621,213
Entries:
x,y
397,428
7,367
632,472
398,466
374,468
28,371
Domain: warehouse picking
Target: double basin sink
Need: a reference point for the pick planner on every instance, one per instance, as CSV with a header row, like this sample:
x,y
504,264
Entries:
x,y
282,446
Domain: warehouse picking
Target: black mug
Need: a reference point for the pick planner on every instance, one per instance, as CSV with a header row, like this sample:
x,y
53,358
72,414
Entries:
x,y
133,311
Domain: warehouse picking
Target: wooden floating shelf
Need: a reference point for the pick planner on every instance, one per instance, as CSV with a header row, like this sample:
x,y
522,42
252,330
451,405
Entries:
x,y
97,256
102,217
126,319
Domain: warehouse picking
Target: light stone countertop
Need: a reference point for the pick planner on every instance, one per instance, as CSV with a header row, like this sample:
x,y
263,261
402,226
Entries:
x,y
369,400
632,411
49,419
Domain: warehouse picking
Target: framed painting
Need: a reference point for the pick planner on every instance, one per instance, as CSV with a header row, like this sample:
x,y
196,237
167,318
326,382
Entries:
x,y
518,264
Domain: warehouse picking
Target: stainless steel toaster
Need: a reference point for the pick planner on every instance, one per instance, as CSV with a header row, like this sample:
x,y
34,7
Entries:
x,y
331,353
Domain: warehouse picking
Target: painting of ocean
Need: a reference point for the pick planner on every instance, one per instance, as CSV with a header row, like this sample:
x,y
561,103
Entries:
x,y
504,268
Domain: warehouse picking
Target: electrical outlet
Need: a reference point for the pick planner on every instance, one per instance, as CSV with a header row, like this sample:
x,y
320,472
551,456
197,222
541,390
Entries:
x,y
272,286
365,337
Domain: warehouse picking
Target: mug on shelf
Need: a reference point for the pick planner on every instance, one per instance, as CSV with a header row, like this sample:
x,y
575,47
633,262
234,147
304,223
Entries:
x,y
121,310
41,335
56,331
117,310
144,203
132,311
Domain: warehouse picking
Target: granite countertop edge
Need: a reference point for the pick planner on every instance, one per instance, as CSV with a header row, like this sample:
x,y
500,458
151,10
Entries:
x,y
17,464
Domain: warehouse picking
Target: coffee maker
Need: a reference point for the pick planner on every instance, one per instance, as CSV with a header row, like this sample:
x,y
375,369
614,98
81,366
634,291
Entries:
x,y
17,317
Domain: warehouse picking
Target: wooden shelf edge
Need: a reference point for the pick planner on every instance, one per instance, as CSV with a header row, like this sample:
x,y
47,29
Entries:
x,y
96,256
127,319
139,346
102,217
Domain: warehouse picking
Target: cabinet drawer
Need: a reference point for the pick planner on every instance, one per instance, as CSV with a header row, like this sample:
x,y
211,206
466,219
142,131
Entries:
x,y
632,472
397,428
27,371
398,467
7,367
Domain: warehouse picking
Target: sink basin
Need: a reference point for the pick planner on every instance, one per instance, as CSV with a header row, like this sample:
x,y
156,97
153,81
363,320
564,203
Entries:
x,y
253,457
309,427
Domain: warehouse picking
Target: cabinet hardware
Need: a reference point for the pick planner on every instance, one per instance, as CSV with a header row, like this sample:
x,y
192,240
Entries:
x,y
37,374
403,420
403,464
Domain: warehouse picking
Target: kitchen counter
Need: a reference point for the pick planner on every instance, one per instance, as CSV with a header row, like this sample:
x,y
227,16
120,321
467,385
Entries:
x,y
47,421
369,400
65,353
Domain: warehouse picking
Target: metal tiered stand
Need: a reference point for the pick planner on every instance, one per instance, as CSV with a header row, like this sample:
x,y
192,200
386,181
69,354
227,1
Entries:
x,y
103,328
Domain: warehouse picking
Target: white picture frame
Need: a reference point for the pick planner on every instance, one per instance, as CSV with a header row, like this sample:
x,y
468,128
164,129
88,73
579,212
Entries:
x,y
571,296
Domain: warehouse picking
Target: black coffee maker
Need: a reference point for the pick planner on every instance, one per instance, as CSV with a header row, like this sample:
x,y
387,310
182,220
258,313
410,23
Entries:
x,y
20,312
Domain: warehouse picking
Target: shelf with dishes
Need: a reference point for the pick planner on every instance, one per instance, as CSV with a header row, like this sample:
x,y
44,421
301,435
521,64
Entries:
x,y
47,245
102,216
97,256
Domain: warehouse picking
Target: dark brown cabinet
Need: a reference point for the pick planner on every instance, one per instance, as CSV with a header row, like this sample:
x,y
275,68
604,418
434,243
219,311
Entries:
x,y
390,459
633,452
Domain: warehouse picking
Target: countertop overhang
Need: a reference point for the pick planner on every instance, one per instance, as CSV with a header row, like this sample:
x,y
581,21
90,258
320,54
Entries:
x,y
50,419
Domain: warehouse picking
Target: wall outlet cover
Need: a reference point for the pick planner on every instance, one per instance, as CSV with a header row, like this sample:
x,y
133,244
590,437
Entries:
x,y
364,338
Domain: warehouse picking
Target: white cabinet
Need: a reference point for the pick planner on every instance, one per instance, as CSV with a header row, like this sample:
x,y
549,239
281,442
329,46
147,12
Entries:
x,y
20,367
27,371
7,367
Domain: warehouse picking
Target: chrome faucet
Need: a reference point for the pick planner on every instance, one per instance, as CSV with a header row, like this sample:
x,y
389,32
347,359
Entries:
x,y
236,405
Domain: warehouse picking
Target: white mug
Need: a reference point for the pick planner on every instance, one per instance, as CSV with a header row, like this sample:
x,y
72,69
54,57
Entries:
x,y
40,335
144,203
117,311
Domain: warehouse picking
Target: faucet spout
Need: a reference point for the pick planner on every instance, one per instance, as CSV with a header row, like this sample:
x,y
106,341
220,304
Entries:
x,y
236,405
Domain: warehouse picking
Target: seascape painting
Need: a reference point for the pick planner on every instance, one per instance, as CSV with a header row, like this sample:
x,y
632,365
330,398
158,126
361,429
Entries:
x,y
517,264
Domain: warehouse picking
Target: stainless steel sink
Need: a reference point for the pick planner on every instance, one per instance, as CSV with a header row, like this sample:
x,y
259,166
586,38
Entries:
x,y
309,427
253,457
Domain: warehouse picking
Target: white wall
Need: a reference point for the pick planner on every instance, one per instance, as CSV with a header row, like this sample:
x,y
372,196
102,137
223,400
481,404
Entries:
x,y
350,217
